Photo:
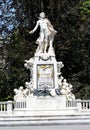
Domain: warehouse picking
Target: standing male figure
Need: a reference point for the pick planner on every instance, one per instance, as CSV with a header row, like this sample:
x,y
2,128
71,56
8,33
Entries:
x,y
47,33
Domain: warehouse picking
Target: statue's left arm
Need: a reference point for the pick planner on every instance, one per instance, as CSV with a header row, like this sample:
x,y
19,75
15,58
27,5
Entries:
x,y
35,28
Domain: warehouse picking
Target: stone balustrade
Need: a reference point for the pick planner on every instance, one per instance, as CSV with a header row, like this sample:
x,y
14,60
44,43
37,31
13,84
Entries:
x,y
6,107
71,104
10,106
20,105
83,104
3,106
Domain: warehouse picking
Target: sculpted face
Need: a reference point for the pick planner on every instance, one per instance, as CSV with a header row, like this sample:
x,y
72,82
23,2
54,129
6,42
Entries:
x,y
42,15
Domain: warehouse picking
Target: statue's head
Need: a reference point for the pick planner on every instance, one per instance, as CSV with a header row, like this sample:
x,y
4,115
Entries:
x,y
42,15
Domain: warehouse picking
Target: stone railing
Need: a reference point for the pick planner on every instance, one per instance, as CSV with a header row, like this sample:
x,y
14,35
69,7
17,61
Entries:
x,y
70,104
9,106
83,105
6,107
3,106
20,105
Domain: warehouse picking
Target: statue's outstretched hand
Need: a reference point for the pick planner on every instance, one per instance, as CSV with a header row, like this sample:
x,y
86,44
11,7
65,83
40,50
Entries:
x,y
31,32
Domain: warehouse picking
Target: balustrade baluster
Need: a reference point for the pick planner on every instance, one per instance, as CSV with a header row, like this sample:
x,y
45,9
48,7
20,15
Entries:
x,y
4,107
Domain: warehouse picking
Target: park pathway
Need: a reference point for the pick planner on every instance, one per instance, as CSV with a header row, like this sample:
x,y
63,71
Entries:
x,y
48,127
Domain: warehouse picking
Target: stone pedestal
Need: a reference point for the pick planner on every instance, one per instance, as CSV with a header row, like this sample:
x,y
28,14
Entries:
x,y
47,92
45,71
46,105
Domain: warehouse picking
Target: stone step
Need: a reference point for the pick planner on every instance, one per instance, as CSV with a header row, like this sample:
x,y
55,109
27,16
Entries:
x,y
44,120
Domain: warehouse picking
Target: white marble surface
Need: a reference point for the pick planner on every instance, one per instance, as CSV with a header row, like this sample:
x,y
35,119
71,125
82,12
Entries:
x,y
46,36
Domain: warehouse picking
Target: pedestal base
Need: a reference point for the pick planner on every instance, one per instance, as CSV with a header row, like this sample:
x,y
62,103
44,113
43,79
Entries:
x,y
46,106
46,103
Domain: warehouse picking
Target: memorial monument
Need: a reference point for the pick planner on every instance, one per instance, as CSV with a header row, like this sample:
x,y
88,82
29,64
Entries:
x,y
47,91
47,99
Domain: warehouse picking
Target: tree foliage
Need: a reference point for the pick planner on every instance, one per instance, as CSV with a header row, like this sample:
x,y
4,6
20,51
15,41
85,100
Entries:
x,y
71,18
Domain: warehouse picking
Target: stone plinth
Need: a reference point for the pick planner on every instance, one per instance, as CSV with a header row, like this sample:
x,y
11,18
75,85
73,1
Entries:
x,y
46,105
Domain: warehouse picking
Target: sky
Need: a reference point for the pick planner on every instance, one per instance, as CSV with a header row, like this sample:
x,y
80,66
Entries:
x,y
7,17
